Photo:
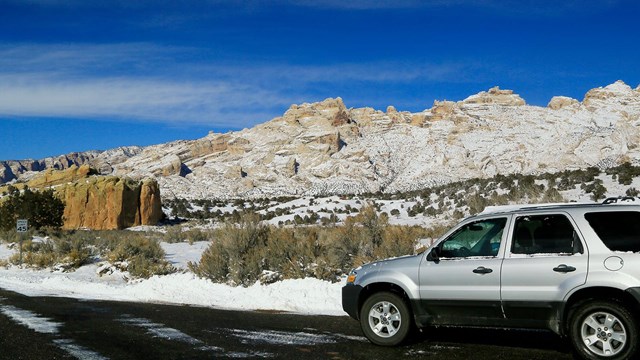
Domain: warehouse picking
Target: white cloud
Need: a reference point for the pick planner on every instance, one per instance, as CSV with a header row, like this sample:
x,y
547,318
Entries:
x,y
145,82
222,104
393,72
136,82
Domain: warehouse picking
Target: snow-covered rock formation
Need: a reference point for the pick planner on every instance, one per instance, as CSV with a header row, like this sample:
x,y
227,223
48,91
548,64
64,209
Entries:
x,y
327,148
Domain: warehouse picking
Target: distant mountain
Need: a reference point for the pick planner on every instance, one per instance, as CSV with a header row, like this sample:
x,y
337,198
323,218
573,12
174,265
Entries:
x,y
327,148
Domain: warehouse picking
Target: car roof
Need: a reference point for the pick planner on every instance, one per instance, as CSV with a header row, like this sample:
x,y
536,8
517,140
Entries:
x,y
510,209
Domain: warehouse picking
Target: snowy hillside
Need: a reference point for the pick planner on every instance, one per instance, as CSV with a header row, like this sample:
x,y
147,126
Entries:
x,y
326,148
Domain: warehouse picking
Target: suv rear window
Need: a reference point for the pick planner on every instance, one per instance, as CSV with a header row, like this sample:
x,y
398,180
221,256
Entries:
x,y
618,230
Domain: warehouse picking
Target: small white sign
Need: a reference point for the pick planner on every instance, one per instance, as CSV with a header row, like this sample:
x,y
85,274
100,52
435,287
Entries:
x,y
22,225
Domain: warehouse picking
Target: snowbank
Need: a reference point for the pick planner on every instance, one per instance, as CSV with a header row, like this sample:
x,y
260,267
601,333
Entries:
x,y
304,296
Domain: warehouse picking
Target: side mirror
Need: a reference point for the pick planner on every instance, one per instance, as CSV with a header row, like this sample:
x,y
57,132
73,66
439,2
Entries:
x,y
434,255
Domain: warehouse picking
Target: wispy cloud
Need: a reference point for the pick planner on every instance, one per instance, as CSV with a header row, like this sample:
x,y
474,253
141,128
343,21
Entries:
x,y
222,105
145,82
136,82
549,7
86,58
382,71
505,7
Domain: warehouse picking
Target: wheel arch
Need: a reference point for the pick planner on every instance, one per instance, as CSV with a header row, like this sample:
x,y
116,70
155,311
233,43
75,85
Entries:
x,y
602,293
377,287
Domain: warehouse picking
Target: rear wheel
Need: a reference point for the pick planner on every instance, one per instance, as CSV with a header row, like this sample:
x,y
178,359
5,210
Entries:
x,y
604,330
385,319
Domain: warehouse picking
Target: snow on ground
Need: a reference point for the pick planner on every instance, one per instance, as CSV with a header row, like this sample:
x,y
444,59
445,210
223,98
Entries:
x,y
179,255
5,252
304,296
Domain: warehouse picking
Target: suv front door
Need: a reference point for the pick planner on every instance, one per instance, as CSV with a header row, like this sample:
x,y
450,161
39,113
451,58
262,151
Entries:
x,y
460,276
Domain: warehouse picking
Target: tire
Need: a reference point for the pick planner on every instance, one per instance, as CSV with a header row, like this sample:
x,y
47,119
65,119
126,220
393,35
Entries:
x,y
603,330
385,319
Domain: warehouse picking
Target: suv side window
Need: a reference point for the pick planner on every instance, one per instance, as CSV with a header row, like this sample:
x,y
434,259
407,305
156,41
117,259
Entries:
x,y
545,234
618,230
479,238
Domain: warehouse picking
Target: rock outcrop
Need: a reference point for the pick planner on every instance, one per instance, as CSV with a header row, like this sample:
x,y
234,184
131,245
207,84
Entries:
x,y
50,177
495,96
442,110
559,102
110,202
102,202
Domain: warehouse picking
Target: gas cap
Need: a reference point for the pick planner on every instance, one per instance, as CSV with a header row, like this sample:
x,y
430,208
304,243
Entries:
x,y
613,263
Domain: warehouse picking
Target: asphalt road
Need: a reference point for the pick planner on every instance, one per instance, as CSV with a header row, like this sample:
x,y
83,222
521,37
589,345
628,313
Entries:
x,y
61,328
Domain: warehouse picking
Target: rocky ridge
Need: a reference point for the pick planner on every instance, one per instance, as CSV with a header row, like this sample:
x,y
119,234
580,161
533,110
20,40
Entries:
x,y
102,202
327,148
100,160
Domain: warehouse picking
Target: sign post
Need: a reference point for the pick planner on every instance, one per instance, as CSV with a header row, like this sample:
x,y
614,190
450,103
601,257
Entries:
x,y
22,225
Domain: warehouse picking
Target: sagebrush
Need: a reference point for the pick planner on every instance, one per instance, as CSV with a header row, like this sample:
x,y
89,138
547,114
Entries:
x,y
138,253
245,252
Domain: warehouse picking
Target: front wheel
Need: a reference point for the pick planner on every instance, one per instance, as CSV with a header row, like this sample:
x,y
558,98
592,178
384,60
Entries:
x,y
385,319
604,330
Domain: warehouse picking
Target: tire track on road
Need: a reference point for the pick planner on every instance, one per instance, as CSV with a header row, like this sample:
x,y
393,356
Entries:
x,y
44,325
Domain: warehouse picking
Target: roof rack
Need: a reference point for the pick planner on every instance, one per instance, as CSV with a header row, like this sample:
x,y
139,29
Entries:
x,y
619,199
506,208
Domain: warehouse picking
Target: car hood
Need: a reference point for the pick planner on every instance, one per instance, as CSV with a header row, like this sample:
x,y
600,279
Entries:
x,y
391,263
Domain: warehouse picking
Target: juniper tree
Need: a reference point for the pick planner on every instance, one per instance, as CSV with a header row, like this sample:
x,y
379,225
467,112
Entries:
x,y
41,209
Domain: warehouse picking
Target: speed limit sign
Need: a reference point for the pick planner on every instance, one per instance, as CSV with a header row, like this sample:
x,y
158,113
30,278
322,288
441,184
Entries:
x,y
22,225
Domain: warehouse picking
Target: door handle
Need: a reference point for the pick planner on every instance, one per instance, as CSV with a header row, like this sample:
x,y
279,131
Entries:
x,y
564,268
482,270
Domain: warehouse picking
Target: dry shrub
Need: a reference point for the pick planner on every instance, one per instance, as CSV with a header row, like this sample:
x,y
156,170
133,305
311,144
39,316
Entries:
x,y
293,252
237,255
135,252
435,232
344,244
398,241
142,267
8,236
213,264
195,235
173,235
140,256
36,254
244,253
67,253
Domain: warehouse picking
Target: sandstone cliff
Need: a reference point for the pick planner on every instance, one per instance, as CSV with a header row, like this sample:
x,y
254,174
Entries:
x,y
102,202
111,203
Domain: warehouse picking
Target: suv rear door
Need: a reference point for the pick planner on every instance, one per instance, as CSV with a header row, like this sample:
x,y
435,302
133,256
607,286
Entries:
x,y
545,260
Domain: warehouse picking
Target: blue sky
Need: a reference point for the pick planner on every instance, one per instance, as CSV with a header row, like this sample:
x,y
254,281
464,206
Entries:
x,y
79,75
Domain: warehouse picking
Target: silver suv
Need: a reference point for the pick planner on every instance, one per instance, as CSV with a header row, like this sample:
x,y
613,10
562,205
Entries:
x,y
573,269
